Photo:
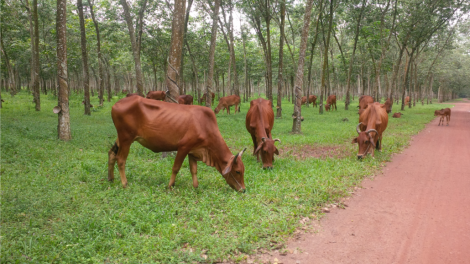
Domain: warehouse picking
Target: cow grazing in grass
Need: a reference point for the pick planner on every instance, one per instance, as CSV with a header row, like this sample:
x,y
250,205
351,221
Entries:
x,y
443,113
259,123
388,105
331,101
185,99
156,95
312,99
397,115
364,102
190,130
226,102
372,123
203,98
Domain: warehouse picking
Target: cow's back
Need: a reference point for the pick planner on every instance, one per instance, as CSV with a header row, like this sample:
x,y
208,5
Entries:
x,y
260,114
375,112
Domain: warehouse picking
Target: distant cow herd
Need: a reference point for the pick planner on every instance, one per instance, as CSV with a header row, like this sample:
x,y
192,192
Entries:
x,y
192,131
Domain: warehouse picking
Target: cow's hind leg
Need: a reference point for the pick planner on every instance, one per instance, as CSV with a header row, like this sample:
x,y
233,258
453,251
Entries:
x,y
121,157
177,166
112,160
193,169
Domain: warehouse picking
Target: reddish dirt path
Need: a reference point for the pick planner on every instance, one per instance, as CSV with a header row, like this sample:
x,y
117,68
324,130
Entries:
x,y
417,211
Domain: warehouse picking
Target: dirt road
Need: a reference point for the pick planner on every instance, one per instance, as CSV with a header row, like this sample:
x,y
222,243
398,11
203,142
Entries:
x,y
418,211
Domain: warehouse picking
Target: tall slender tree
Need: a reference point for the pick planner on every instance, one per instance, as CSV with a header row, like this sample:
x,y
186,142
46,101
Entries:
x,y
36,91
215,15
63,128
86,74
100,57
296,127
281,55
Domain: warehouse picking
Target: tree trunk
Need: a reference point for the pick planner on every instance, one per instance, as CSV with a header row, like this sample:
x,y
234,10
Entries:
x,y
325,57
100,59
281,55
37,96
136,41
10,85
215,17
296,127
312,50
176,48
63,128
86,75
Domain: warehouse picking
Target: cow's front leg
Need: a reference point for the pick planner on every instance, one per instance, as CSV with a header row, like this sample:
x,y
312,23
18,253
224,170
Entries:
x,y
193,169
121,157
177,166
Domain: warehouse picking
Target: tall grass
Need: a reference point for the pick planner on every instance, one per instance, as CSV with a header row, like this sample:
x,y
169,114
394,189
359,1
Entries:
x,y
57,205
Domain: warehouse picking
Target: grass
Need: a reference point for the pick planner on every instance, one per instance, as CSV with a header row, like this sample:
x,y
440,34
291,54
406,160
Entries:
x,y
58,207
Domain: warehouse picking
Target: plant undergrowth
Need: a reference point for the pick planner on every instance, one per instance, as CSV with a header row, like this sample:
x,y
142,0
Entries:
x,y
58,207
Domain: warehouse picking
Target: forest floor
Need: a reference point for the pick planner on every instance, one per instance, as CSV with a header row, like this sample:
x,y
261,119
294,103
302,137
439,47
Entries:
x,y
416,211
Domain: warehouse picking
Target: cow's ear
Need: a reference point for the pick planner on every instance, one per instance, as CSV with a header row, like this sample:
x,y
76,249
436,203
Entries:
x,y
259,147
354,141
276,152
228,168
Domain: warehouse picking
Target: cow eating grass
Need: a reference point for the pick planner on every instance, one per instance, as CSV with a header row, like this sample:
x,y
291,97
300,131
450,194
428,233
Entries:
x,y
191,130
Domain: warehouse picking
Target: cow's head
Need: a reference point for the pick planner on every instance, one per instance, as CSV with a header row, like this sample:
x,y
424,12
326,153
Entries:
x,y
327,107
218,108
234,172
267,151
437,112
365,140
388,105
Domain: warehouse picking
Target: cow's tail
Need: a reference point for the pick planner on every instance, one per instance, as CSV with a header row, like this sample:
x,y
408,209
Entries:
x,y
115,148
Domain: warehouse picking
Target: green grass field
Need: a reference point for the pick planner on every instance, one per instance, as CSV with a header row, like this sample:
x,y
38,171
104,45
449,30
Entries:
x,y
58,207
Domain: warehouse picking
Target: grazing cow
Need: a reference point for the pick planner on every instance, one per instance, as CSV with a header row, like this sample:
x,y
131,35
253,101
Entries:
x,y
259,122
397,115
160,126
407,100
203,98
372,123
388,105
364,102
156,95
443,113
312,99
331,101
226,102
185,99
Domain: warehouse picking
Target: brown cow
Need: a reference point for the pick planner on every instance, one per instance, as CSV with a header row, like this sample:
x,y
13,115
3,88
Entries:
x,y
226,102
331,101
185,99
259,122
397,115
312,99
203,98
372,123
443,113
156,95
407,100
160,126
388,105
364,101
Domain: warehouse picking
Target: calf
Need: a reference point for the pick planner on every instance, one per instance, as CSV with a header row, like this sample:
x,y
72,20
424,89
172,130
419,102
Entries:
x,y
331,101
185,99
259,123
190,130
397,115
443,113
364,102
226,102
311,99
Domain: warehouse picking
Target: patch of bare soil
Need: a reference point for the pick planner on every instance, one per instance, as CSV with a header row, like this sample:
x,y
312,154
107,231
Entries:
x,y
315,151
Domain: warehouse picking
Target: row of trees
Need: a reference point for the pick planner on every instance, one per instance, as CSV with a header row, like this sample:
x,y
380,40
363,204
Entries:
x,y
385,48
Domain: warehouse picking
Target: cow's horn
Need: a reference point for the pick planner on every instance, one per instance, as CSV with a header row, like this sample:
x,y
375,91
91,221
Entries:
x,y
276,139
357,128
241,152
371,130
263,139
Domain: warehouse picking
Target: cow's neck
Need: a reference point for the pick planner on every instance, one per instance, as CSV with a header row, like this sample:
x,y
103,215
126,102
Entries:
x,y
221,156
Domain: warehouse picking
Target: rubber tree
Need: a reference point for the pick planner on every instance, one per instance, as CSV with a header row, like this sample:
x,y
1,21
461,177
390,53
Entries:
x,y
63,128
100,58
280,81
215,15
297,116
86,74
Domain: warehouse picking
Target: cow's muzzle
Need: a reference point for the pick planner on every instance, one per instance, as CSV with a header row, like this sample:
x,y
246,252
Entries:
x,y
268,168
242,190
360,156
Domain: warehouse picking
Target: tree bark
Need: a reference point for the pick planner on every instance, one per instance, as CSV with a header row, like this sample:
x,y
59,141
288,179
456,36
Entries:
x,y
324,80
281,55
312,50
296,126
215,16
63,128
11,80
176,48
37,96
100,59
136,41
86,75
